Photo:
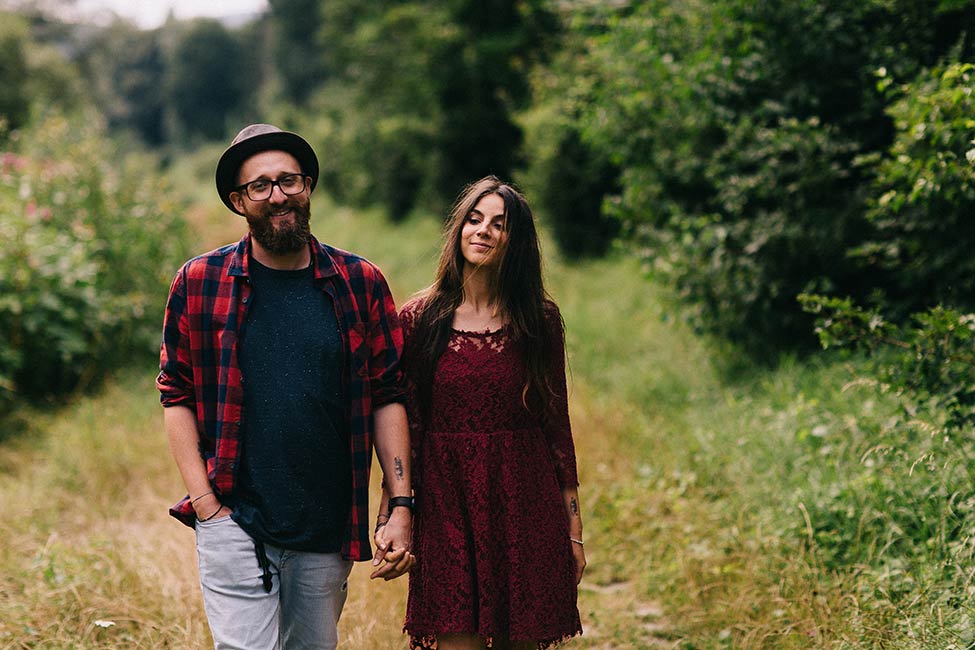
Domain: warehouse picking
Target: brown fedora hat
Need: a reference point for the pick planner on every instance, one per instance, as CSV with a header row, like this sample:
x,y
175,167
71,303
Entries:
x,y
254,139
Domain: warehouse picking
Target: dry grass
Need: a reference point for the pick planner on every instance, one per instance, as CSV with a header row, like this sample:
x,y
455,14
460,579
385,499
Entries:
x,y
90,540
88,489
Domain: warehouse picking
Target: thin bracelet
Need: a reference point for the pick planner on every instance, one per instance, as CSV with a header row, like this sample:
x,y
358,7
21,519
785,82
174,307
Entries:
x,y
577,541
205,494
214,514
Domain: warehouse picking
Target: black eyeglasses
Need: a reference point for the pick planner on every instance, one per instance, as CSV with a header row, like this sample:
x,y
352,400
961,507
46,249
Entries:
x,y
260,190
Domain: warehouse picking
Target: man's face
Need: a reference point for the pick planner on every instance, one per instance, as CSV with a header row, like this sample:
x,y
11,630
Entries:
x,y
280,223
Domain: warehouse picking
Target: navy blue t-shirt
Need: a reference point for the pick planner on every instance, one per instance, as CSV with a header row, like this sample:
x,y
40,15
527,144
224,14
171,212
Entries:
x,y
295,473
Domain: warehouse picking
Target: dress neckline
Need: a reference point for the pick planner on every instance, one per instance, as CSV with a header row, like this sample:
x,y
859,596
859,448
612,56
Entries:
x,y
486,332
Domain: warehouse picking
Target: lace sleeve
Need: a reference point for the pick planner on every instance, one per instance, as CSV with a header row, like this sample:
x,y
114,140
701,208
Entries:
x,y
556,426
408,322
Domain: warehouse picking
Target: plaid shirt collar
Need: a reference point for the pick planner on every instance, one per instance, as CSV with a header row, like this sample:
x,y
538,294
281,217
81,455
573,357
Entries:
x,y
325,266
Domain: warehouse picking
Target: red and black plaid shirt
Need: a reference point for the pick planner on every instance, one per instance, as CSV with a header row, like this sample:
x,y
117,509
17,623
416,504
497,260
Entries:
x,y
207,306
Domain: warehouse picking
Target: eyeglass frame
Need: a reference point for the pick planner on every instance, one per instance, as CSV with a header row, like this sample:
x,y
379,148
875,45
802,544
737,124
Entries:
x,y
275,183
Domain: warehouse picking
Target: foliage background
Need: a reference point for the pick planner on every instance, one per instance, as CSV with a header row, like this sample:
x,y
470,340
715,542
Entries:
x,y
87,244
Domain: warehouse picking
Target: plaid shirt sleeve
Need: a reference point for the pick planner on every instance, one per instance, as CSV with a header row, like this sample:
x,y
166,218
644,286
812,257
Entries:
x,y
386,346
175,379
197,365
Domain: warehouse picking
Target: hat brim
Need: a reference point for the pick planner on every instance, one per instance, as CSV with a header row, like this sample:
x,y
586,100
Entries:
x,y
235,155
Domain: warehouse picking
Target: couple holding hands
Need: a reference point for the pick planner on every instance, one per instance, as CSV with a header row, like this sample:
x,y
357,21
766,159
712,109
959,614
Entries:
x,y
284,362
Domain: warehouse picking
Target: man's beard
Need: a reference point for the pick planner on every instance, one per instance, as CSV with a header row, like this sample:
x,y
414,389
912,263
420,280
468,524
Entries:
x,y
284,238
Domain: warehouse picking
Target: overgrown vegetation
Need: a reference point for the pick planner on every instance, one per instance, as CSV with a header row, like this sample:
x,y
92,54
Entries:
x,y
925,193
89,241
748,137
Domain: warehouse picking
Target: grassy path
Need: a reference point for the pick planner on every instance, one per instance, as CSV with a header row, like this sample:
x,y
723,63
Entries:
x,y
719,508
90,559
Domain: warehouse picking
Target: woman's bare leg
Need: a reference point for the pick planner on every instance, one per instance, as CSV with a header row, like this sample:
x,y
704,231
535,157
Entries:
x,y
460,642
501,644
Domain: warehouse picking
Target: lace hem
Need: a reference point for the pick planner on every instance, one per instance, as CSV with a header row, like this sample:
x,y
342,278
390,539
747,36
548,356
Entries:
x,y
429,642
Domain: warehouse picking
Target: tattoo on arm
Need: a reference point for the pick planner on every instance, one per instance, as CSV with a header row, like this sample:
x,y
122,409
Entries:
x,y
574,506
399,467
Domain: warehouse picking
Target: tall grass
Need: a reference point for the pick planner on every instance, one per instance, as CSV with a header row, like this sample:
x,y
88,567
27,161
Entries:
x,y
720,512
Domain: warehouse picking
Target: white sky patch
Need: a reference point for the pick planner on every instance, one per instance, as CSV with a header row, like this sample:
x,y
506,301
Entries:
x,y
148,15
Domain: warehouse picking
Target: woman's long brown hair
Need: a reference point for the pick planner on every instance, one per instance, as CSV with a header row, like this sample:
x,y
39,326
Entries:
x,y
517,284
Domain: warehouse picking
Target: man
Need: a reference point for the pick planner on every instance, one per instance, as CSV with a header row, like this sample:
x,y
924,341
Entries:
x,y
278,368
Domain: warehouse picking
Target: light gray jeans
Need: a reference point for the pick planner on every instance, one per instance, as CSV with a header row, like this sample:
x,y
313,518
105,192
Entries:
x,y
302,609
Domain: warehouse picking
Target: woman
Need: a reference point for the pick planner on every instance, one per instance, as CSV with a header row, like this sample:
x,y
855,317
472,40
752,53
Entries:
x,y
497,530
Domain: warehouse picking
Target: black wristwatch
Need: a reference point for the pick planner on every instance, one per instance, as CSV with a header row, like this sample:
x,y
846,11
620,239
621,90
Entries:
x,y
405,502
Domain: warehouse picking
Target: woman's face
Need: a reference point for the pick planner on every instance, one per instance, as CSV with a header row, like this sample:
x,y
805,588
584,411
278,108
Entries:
x,y
483,235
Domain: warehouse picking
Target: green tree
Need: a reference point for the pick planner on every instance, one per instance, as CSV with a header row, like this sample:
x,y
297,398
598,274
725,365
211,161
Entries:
x,y
208,80
576,180
482,80
129,89
424,93
300,60
383,101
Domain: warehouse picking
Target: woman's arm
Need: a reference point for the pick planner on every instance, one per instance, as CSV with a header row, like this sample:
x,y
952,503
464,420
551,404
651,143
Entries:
x,y
570,497
558,433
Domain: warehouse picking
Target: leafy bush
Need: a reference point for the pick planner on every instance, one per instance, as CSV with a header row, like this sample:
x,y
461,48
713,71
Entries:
x,y
745,135
926,190
926,193
88,242
933,361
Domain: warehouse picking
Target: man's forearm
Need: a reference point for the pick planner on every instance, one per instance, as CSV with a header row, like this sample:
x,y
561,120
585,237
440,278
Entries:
x,y
393,450
184,444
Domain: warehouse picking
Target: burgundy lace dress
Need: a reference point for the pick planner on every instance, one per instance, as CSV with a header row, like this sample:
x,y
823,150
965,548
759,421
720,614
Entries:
x,y
490,532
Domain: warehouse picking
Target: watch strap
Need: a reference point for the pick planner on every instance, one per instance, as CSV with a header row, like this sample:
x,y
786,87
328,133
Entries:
x,y
405,502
